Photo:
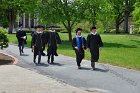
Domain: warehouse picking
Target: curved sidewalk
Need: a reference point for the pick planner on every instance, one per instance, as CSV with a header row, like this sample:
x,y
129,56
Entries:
x,y
14,79
105,79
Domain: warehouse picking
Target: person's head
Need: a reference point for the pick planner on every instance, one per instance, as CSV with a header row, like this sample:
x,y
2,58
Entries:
x,y
93,29
42,28
39,28
20,26
78,31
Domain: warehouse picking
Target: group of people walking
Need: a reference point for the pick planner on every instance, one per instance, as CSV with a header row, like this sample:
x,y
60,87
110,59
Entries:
x,y
38,42
52,39
93,43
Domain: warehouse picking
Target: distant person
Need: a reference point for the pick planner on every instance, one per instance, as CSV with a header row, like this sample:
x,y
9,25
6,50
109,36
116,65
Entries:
x,y
94,42
37,43
79,45
53,40
22,37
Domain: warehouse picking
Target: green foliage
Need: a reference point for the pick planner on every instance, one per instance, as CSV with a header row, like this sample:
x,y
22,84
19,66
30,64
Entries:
x,y
84,25
136,31
28,31
3,38
3,21
136,13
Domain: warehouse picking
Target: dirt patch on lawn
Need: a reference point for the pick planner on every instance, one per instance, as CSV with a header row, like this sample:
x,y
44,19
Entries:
x,y
5,59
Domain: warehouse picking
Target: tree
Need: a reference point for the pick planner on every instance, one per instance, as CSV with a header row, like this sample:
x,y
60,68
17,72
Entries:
x,y
3,21
93,8
105,16
136,12
129,7
3,38
67,12
118,12
10,9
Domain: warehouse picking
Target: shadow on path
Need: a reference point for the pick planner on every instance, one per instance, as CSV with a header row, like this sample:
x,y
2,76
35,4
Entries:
x,y
42,64
101,70
24,55
57,64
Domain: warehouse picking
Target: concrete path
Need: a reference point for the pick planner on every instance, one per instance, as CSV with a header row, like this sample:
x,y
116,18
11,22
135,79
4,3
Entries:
x,y
105,79
14,79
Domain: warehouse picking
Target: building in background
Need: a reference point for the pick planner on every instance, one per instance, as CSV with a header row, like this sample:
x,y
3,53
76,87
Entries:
x,y
27,20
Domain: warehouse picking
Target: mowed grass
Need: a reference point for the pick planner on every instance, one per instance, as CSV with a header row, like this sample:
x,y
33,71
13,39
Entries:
x,y
118,50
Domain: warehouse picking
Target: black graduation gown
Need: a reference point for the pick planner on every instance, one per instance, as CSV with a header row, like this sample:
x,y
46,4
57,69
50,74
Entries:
x,y
52,39
32,36
79,53
94,42
19,36
38,40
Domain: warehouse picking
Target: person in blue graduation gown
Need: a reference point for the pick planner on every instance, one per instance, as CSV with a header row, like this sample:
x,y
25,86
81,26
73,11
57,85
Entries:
x,y
79,45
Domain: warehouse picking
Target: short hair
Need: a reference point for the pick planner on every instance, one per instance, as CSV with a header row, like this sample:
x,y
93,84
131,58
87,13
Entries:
x,y
20,25
78,29
93,28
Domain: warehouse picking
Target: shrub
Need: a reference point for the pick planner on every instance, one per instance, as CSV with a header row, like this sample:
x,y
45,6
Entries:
x,y
3,38
136,31
28,31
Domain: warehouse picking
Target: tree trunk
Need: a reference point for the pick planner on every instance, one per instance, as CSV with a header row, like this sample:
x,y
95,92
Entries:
x,y
126,23
11,19
11,26
117,29
70,36
69,28
126,17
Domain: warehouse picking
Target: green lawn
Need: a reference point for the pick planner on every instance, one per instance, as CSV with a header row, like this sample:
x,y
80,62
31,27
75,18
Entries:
x,y
119,50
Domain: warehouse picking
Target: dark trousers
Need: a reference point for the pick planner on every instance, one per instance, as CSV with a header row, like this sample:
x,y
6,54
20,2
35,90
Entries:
x,y
21,47
93,65
52,58
79,56
39,56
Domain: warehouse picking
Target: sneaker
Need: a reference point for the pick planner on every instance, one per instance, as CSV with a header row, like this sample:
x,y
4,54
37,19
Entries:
x,y
79,67
34,61
48,61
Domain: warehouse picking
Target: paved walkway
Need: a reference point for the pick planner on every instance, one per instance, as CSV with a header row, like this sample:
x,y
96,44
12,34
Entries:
x,y
106,78
14,79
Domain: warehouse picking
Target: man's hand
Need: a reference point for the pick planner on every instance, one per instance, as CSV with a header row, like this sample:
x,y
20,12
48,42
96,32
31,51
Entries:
x,y
87,49
32,48
76,48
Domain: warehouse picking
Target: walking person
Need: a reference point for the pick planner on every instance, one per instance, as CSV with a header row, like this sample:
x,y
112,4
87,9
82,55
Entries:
x,y
38,40
34,32
94,42
42,53
21,37
53,40
79,45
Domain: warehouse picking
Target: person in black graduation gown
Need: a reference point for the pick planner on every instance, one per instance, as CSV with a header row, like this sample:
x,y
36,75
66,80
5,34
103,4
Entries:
x,y
42,53
94,42
21,37
53,40
79,45
38,40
